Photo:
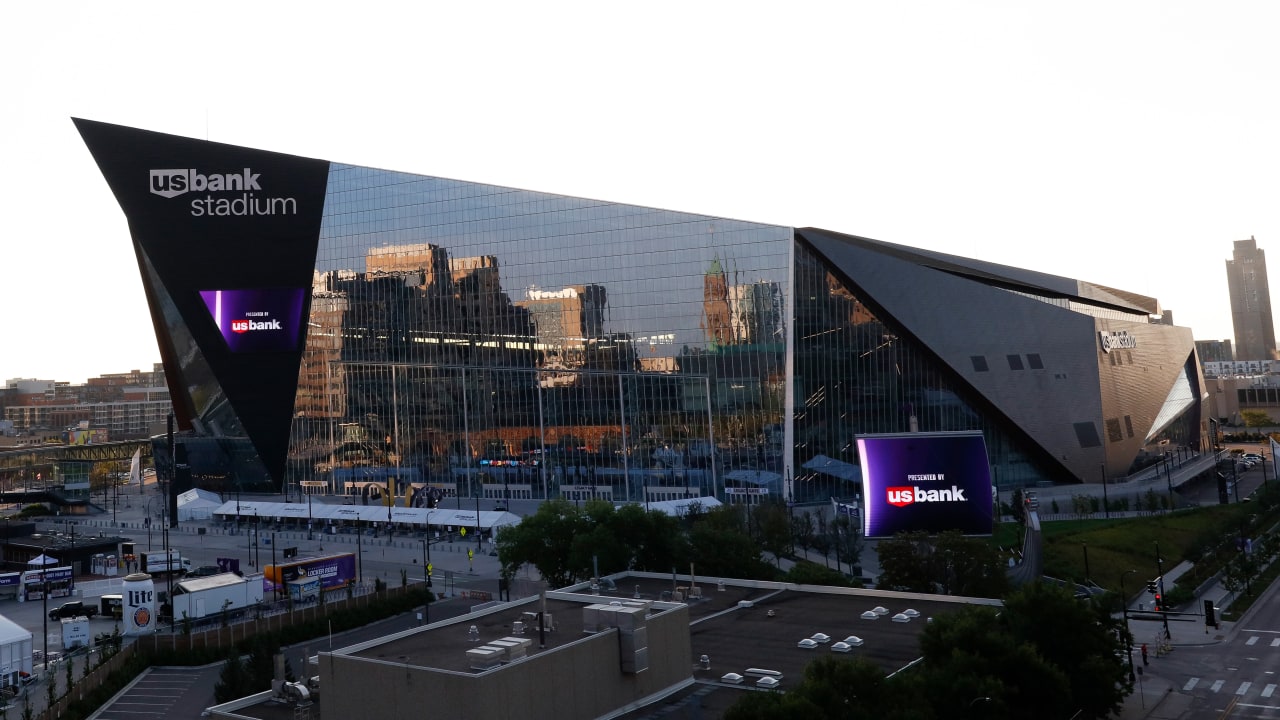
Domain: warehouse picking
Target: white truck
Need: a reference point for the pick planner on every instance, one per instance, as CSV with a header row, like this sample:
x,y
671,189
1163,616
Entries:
x,y
207,597
160,563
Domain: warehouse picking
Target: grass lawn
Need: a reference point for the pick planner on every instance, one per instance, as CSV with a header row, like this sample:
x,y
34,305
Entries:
x,y
1114,546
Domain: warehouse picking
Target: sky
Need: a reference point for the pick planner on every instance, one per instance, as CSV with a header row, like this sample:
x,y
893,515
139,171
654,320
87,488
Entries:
x,y
1127,144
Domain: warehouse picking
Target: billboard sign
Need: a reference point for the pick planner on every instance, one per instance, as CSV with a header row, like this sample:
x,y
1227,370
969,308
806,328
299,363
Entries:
x,y
925,481
257,320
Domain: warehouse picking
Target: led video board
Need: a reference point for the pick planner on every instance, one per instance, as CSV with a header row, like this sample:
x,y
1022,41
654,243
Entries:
x,y
925,481
257,320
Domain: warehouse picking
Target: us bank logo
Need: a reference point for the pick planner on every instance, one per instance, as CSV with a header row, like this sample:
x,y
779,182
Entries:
x,y
173,182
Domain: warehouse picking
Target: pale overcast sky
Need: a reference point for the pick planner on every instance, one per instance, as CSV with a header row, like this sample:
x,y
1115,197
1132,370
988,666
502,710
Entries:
x,y
1125,143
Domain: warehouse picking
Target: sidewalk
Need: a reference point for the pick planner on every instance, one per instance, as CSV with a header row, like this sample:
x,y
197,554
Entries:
x,y
1155,696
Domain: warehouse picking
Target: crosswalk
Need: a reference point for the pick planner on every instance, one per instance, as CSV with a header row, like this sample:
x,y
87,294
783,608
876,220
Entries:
x,y
1255,693
1242,689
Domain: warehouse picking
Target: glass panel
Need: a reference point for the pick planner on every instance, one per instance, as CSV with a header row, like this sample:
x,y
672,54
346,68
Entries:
x,y
499,343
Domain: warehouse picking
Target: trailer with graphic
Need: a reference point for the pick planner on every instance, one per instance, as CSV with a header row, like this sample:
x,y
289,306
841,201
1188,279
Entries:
x,y
333,572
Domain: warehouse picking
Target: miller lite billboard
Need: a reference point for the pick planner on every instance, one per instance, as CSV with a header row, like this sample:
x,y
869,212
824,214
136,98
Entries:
x,y
925,481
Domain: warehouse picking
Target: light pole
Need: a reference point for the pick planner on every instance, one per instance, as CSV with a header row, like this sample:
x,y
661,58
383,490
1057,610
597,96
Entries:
x,y
1084,546
1106,504
1168,476
1160,588
44,595
1124,608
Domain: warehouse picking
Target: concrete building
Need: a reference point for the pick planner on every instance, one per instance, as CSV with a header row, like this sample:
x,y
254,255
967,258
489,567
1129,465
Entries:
x,y
1251,302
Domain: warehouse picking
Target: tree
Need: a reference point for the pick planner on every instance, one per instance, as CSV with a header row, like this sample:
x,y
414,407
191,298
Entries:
x,y
839,689
802,531
233,680
543,540
773,529
904,563
969,566
1089,655
1256,418
811,573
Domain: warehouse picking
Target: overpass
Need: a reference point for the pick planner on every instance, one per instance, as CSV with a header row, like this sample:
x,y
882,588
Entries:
x,y
36,458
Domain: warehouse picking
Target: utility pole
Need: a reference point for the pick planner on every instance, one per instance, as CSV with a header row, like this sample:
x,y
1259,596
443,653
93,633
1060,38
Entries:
x,y
1124,607
1164,615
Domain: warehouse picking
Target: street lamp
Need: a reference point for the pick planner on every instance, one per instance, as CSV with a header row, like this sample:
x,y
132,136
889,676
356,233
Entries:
x,y
1106,504
1168,476
1160,570
1124,608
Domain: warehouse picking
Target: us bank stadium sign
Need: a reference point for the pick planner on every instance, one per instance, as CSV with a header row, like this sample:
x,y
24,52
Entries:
x,y
170,183
1118,340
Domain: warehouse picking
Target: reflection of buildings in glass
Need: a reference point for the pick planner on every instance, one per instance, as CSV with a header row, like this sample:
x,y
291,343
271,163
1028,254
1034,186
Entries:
x,y
756,312
717,316
565,320
321,392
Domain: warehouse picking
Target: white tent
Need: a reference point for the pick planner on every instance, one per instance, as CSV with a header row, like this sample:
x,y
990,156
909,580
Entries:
x,y
198,504
42,560
324,514
679,508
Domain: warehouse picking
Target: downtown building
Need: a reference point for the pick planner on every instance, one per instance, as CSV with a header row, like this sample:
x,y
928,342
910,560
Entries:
x,y
1251,302
325,325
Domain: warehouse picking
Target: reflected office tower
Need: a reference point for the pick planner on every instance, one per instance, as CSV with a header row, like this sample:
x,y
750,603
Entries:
x,y
757,312
1251,302
565,320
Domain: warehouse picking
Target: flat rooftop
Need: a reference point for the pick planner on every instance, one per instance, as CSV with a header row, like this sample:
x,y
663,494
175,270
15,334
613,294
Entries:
x,y
737,625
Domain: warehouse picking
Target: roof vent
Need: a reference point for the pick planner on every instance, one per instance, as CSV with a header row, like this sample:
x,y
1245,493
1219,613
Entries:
x,y
767,682
901,617
746,604
853,641
840,647
731,678
911,613
821,638
807,644
880,610
870,615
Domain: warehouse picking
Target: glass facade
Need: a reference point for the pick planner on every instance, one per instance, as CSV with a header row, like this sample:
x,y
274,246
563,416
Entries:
x,y
504,343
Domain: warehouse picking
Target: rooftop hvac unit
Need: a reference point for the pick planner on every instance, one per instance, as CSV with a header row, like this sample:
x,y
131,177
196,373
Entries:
x,y
296,692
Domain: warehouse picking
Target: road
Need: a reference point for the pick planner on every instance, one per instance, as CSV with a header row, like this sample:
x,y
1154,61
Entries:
x,y
1236,675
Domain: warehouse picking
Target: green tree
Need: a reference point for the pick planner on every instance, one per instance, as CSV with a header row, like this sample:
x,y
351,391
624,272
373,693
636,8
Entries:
x,y
543,540
967,566
1089,655
811,573
233,681
773,529
1256,418
904,563
802,531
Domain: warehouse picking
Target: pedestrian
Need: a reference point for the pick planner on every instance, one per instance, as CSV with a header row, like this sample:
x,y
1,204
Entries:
x,y
1144,655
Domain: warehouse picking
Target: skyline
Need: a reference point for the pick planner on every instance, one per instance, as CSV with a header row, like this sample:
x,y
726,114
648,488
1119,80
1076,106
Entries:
x,y
1123,146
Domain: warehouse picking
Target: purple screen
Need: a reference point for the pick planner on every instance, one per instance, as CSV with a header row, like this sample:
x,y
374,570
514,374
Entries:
x,y
259,320
930,482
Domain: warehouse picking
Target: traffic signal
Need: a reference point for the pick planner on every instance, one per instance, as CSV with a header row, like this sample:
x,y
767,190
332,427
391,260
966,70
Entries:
x,y
1159,602
1153,587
